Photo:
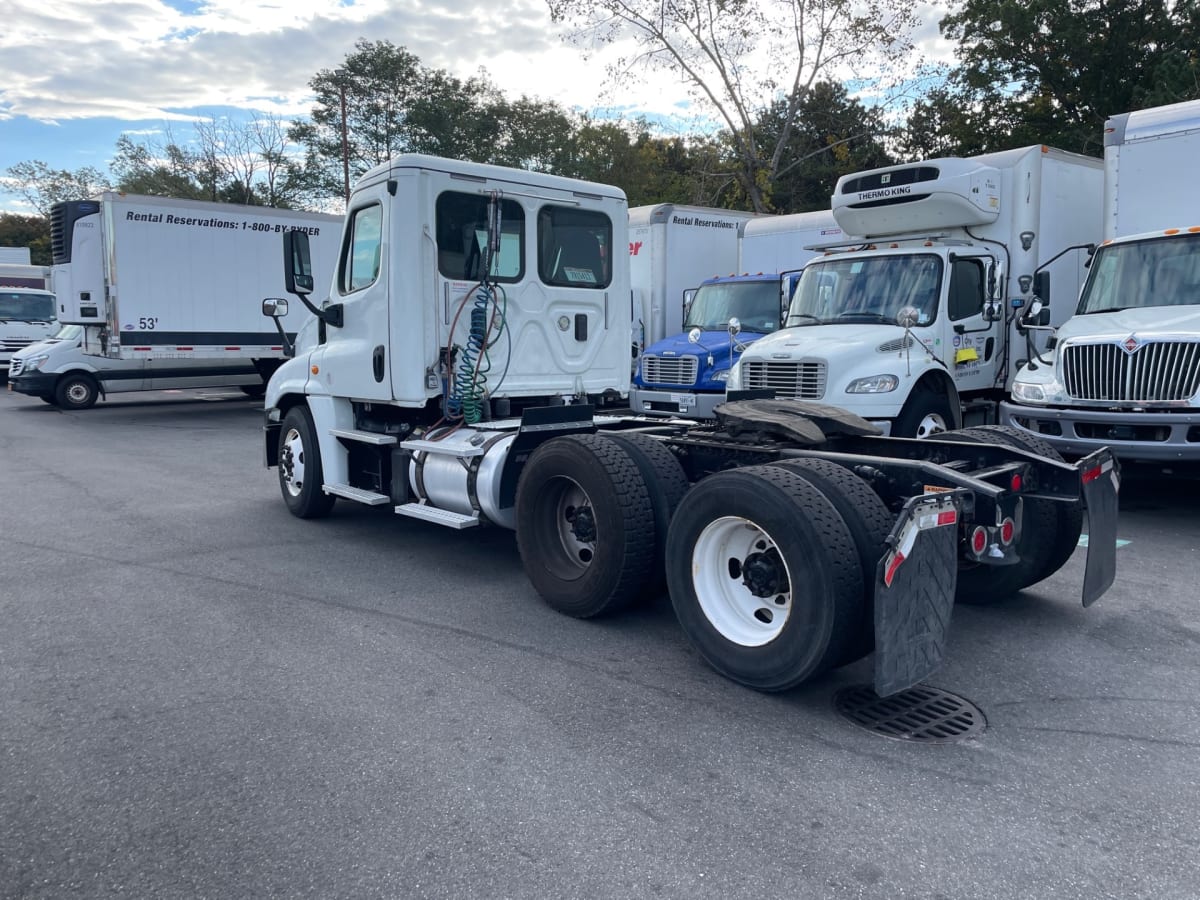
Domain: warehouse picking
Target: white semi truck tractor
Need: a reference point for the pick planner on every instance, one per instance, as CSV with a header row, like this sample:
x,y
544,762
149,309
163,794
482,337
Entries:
x,y
475,315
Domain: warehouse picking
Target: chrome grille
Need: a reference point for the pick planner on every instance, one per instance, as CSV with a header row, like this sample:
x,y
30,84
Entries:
x,y
1156,372
670,369
798,380
15,367
12,345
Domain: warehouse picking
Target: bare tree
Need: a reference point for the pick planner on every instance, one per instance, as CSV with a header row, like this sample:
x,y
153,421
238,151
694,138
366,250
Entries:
x,y
737,57
41,186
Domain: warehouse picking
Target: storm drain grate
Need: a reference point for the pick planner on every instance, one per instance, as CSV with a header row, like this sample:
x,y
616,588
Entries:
x,y
921,713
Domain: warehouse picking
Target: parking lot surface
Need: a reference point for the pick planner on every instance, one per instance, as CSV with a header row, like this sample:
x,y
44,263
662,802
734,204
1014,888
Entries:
x,y
201,696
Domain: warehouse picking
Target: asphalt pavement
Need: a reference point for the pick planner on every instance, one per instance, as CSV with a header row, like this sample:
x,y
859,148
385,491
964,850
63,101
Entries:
x,y
202,696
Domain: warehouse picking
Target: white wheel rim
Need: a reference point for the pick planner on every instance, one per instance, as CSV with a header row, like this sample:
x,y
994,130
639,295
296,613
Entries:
x,y
571,499
932,423
719,559
77,392
291,462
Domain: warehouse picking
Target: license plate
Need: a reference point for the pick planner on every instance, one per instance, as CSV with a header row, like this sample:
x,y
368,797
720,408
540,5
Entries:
x,y
685,401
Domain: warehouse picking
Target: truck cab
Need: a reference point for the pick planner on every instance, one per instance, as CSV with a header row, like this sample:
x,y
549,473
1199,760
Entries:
x,y
685,374
26,317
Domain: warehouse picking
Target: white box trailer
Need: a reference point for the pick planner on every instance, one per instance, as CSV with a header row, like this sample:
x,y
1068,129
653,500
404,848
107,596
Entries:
x,y
781,243
1125,369
15,256
159,278
672,248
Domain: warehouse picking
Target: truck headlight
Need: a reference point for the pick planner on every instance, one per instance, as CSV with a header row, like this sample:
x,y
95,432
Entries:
x,y
873,384
1026,392
723,375
32,363
733,378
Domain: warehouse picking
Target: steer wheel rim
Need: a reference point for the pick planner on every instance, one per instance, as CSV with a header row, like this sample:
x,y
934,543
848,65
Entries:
x,y
931,423
742,581
569,526
291,462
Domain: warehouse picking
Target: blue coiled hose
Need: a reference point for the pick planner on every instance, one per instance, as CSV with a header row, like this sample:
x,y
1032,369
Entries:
x,y
466,396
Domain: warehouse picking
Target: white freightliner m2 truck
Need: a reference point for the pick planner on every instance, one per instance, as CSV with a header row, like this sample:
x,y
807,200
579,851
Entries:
x,y
1125,370
159,288
475,311
960,247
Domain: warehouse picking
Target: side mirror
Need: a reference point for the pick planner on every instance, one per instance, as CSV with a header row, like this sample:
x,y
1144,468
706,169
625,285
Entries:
x,y
694,336
274,307
908,317
1041,286
735,326
688,296
297,263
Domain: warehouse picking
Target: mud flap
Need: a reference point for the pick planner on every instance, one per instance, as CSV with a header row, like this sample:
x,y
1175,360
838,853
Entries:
x,y
1100,480
914,592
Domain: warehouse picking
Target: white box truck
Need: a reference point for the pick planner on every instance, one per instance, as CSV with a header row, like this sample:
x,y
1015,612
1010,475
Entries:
x,y
684,374
26,304
163,281
672,248
959,247
474,312
1125,370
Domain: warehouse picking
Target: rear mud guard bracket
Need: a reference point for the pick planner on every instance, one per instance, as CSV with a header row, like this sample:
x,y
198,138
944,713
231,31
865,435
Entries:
x,y
1101,481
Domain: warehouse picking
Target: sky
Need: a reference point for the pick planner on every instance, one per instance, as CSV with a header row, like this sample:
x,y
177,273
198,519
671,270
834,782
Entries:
x,y
77,74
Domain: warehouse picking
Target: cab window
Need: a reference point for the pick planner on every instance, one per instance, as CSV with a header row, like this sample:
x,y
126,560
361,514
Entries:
x,y
462,238
966,289
574,247
360,265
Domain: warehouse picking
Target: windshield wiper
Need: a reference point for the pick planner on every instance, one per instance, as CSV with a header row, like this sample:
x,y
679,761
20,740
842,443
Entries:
x,y
868,316
1090,312
816,320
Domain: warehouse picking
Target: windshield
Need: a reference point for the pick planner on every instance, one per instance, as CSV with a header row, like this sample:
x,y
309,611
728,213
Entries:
x,y
867,290
68,333
1155,272
756,304
26,307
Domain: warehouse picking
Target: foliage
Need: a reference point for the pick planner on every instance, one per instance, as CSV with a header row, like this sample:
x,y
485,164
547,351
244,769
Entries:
x,y
1052,71
739,56
27,231
42,186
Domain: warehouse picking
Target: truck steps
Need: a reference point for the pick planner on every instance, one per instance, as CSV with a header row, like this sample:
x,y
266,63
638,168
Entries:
x,y
364,437
437,516
370,498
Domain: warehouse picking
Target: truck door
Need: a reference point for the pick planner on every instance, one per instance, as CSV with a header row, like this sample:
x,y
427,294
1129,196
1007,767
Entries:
x,y
973,350
353,361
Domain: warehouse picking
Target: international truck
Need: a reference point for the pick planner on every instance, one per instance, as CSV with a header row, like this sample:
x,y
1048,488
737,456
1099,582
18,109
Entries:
x,y
685,374
1124,371
917,319
672,248
171,287
454,385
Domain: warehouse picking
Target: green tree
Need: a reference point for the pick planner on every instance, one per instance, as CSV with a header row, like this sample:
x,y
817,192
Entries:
x,y
27,231
738,56
1052,71
42,186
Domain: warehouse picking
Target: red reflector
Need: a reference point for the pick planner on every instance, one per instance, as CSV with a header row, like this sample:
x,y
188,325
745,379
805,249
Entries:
x,y
978,540
1016,484
892,566
949,517
141,348
1092,474
233,348
185,348
1007,528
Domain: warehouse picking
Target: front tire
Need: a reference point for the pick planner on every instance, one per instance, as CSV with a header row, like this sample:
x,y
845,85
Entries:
x,y
76,390
300,472
585,525
764,577
924,414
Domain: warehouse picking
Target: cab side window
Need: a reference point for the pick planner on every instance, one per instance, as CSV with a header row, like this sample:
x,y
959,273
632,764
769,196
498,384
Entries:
x,y
574,247
966,289
462,238
360,264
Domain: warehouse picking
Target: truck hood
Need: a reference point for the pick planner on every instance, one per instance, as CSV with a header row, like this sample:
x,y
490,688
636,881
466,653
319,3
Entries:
x,y
1147,322
715,343
38,347
827,340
